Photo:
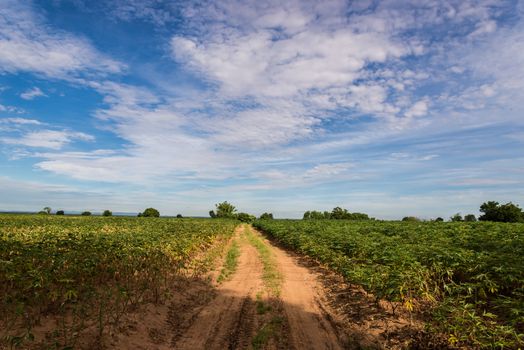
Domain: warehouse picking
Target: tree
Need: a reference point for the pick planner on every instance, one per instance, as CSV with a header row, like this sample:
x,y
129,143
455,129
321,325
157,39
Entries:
x,y
60,212
245,217
490,210
317,215
470,218
223,210
410,219
339,214
457,217
266,216
439,219
359,216
151,213
86,213
107,213
46,210
179,216
493,211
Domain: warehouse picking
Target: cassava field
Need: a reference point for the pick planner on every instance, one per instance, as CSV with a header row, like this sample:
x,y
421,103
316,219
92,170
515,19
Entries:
x,y
159,283
465,279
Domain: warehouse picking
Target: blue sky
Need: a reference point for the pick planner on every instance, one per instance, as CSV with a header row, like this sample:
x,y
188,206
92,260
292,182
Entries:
x,y
392,107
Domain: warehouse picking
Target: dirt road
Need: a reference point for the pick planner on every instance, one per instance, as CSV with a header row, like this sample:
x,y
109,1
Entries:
x,y
309,326
259,296
227,322
269,301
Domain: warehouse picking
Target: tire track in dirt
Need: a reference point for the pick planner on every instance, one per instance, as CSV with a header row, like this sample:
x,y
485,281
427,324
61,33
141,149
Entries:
x,y
227,322
308,325
254,309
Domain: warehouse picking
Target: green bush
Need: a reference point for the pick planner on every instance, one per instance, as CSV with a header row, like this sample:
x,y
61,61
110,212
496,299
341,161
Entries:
x,y
151,213
245,217
493,211
266,216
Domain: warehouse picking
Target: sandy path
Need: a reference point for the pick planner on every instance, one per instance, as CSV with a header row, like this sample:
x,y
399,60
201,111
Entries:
x,y
227,322
308,325
228,316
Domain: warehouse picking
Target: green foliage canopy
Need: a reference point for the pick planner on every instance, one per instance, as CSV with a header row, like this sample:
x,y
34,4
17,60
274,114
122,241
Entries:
x,y
224,210
456,218
245,217
151,213
266,216
493,211
337,213
470,218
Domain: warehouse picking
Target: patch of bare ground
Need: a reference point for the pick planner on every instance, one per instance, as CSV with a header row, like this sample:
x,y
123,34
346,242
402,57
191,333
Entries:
x,y
308,324
247,311
360,321
156,327
228,321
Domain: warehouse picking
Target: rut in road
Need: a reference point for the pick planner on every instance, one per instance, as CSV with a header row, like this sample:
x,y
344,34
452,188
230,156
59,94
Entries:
x,y
227,321
309,326
250,312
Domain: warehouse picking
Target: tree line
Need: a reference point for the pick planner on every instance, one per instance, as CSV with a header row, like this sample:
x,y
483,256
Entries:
x,y
226,210
491,211
149,212
337,213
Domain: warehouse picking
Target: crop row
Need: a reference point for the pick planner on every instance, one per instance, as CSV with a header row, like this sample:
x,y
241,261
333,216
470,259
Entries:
x,y
470,275
91,271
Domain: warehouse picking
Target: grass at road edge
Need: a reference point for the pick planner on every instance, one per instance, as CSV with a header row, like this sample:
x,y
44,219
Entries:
x,y
271,275
272,278
231,263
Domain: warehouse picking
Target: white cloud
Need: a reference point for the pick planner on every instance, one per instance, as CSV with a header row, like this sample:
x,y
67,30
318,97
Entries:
x,y
16,125
154,11
158,144
22,121
301,62
28,44
500,58
32,93
280,74
327,170
295,61
52,139
403,156
258,128
11,109
419,109
260,64
485,27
